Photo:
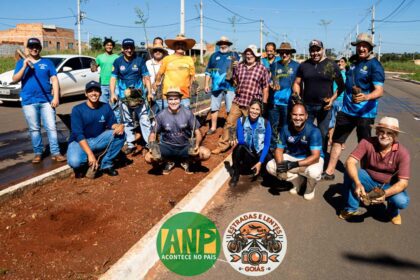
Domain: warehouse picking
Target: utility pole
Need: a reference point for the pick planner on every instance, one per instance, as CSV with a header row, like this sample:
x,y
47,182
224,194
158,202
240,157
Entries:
x,y
182,20
373,24
357,30
78,28
201,32
379,47
88,39
261,35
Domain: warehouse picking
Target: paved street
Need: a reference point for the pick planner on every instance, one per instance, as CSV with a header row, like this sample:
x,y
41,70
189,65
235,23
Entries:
x,y
321,246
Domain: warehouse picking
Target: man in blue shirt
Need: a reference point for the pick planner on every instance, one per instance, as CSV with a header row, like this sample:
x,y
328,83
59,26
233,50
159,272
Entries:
x,y
220,71
176,127
364,86
94,129
133,79
299,156
283,74
271,57
39,77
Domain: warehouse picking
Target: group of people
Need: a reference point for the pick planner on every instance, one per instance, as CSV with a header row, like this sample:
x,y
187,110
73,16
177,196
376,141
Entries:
x,y
282,116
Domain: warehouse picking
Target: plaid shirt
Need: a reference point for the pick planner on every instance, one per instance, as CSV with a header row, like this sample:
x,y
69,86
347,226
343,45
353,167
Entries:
x,y
250,83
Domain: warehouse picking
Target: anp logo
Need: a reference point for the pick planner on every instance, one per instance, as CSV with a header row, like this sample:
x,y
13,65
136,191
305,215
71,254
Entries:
x,y
188,243
254,244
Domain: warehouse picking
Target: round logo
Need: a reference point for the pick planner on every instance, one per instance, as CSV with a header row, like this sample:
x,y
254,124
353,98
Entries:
x,y
254,244
188,243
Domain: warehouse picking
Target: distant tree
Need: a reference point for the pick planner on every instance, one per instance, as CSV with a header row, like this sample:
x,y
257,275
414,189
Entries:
x,y
96,43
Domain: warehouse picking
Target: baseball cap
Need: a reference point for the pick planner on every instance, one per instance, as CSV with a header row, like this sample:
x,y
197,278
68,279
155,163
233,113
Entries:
x,y
128,43
316,43
33,42
93,84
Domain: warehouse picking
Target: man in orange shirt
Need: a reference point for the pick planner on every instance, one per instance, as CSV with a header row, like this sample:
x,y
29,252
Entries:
x,y
178,69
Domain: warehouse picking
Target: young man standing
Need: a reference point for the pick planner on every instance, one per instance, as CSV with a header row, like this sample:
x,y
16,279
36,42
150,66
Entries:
x,y
271,57
220,63
39,78
94,129
153,66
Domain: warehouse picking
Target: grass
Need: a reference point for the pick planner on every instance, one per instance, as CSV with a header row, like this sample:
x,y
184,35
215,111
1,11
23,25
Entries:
x,y
415,76
399,66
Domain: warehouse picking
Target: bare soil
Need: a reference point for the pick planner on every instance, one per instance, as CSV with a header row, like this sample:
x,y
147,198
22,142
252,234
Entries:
x,y
77,228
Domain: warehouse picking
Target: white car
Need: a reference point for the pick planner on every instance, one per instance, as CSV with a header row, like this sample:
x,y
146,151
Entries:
x,y
73,73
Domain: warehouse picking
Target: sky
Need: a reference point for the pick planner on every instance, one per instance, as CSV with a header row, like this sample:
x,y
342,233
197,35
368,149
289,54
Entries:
x,y
297,21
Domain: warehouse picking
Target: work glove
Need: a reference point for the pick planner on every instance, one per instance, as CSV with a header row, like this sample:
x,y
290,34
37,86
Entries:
x,y
286,165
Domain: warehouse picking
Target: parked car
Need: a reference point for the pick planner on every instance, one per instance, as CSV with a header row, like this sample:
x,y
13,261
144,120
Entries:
x,y
73,72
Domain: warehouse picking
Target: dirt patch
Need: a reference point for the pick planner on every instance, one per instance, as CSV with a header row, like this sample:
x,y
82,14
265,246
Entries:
x,y
77,228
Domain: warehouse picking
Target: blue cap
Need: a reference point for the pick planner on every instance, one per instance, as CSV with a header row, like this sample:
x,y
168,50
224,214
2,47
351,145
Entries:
x,y
128,43
33,42
93,84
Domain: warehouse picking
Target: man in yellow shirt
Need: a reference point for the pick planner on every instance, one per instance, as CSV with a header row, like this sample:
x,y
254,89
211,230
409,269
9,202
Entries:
x,y
178,69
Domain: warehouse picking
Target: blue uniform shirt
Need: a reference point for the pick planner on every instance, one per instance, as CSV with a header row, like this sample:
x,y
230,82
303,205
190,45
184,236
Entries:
x,y
89,123
341,96
36,85
300,144
129,73
286,75
217,67
365,74
267,64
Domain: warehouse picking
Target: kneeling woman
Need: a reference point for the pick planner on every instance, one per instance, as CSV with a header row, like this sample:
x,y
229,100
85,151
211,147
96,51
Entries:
x,y
253,135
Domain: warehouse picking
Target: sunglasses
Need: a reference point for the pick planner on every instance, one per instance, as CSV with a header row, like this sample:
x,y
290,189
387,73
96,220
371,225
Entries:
x,y
389,133
285,53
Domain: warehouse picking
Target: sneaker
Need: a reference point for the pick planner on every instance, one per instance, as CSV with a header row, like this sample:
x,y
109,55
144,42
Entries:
x,y
58,158
309,192
294,191
396,220
327,177
186,166
37,159
129,150
168,167
210,132
233,181
345,215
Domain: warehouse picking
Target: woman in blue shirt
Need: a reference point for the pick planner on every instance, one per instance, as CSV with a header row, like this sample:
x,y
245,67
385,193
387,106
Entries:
x,y
253,134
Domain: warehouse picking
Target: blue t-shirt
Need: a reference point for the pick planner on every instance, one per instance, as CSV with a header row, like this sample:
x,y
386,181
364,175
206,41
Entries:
x,y
267,136
341,96
267,64
365,74
175,129
89,123
217,67
129,73
300,144
36,85
286,75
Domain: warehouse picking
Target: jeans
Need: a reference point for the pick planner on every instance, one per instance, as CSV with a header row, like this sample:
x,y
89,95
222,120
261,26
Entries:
x,y
104,98
216,100
38,113
235,113
76,157
141,113
395,202
277,115
323,118
337,105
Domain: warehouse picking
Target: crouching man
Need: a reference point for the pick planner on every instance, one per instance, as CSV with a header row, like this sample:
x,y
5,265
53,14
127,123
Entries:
x,y
384,173
298,157
175,126
94,129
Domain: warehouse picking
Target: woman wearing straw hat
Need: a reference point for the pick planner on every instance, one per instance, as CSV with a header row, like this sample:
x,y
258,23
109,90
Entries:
x,y
178,68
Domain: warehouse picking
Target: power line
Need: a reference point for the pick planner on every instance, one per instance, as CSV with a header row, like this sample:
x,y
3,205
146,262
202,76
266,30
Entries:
x,y
400,21
133,26
393,12
226,22
28,19
236,14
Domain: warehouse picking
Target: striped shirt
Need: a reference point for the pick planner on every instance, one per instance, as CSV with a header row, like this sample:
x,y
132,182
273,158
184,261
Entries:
x,y
250,83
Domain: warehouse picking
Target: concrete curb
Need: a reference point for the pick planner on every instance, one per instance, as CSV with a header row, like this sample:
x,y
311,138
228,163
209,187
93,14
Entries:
x,y
136,263
407,80
60,172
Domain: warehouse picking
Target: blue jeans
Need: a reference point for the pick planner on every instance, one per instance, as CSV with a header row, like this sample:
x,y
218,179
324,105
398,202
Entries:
x,y
76,157
38,113
104,98
337,105
142,114
216,100
395,202
323,118
277,115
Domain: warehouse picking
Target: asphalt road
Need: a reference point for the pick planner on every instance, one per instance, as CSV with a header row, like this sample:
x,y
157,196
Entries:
x,y
320,245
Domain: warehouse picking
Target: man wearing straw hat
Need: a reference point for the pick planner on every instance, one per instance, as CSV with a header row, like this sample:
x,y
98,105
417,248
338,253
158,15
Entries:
x,y
177,127
153,66
251,79
178,68
283,74
385,169
364,86
219,70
